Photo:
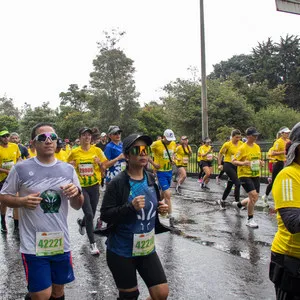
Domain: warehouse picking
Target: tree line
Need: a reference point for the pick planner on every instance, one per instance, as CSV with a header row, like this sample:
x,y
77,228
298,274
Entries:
x,y
261,89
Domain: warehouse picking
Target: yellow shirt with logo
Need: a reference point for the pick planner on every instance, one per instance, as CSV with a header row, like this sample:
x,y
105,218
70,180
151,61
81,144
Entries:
x,y
229,149
68,149
252,154
8,157
87,169
286,193
61,155
161,156
203,150
182,157
279,145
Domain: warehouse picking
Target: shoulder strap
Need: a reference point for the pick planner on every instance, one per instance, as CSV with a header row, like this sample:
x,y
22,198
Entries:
x,y
167,152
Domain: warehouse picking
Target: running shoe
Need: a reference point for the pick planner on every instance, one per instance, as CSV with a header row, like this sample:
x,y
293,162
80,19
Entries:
x,y
265,199
94,250
172,222
81,228
218,181
269,180
221,204
205,187
251,223
178,189
200,180
235,205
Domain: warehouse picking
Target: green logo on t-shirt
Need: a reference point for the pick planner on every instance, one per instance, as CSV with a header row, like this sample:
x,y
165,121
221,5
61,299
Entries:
x,y
51,201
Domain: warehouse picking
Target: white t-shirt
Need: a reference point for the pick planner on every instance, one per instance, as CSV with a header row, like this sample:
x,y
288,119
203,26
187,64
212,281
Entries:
x,y
29,177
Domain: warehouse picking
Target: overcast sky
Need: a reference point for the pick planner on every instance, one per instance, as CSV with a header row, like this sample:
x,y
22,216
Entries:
x,y
48,45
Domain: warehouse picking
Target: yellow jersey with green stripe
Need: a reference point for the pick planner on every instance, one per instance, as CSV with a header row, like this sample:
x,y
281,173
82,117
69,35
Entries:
x,y
8,157
87,169
286,193
160,154
252,154
229,149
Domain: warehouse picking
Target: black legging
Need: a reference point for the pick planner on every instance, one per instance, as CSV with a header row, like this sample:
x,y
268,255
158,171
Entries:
x,y
91,198
231,171
277,167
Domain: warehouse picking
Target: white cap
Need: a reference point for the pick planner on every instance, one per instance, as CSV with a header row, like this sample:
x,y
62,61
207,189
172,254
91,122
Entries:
x,y
169,134
103,134
285,130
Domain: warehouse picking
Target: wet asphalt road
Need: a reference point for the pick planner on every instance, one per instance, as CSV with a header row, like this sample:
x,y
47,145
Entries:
x,y
216,256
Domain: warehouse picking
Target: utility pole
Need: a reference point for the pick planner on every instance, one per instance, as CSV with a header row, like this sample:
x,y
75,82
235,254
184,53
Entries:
x,y
203,75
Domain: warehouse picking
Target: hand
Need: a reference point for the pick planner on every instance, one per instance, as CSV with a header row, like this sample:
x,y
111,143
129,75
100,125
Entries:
x,y
262,163
138,202
156,166
163,208
247,163
97,160
220,167
32,201
70,190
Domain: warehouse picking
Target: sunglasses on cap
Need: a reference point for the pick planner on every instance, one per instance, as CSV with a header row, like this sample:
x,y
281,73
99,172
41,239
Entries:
x,y
137,150
116,133
44,136
5,136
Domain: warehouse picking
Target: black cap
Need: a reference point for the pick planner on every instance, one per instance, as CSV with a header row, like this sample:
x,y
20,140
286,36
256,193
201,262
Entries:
x,y
60,143
85,129
252,131
130,140
113,129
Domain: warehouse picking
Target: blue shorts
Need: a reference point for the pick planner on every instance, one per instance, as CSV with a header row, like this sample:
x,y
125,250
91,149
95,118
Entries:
x,y
164,179
42,271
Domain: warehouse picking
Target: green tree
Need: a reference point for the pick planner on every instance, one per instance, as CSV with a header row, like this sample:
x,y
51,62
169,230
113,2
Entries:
x,y
10,122
115,96
7,108
34,116
277,116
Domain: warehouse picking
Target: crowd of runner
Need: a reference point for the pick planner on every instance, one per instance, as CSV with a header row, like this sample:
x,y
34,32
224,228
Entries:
x,y
41,180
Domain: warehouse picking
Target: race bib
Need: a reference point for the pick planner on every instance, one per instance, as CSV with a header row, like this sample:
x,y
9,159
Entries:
x,y
49,243
255,165
185,160
209,156
86,169
143,243
7,165
123,165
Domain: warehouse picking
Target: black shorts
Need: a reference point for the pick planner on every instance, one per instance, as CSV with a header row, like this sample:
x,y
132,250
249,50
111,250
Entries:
x,y
124,270
206,163
250,183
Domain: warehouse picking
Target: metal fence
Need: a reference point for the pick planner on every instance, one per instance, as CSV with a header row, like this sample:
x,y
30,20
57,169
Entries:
x,y
193,170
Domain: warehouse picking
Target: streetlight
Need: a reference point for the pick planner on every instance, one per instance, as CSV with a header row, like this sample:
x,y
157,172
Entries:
x,y
203,75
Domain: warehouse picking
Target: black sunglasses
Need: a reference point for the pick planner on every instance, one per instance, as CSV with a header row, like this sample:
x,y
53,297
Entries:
x,y
5,136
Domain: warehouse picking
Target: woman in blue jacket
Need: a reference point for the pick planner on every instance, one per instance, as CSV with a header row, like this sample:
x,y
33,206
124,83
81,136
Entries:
x,y
131,203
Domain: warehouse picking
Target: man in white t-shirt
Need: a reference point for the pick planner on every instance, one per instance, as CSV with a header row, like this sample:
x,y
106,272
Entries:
x,y
45,186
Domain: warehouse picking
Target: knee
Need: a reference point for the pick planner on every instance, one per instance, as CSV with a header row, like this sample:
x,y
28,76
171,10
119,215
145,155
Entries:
x,y
123,295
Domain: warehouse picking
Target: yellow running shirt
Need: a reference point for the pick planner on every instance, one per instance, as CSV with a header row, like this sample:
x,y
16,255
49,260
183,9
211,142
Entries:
x,y
252,154
31,154
286,193
279,145
8,158
182,158
160,154
87,170
203,150
229,150
270,157
61,155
